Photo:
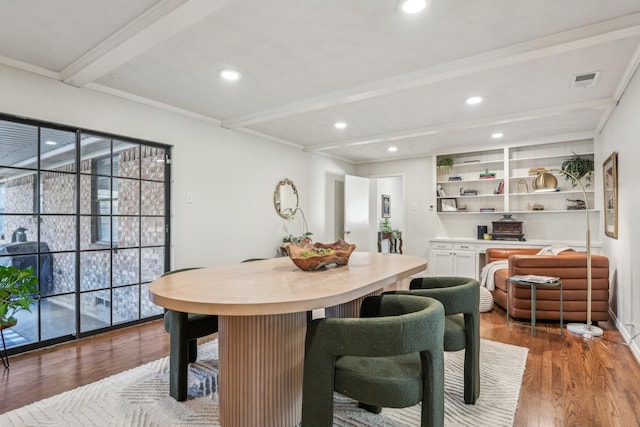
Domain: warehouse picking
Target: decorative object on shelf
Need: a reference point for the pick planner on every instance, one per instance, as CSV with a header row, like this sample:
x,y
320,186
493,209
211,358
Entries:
x,y
445,164
487,175
537,207
578,205
464,192
610,177
507,228
307,256
545,181
386,206
576,168
455,178
441,192
536,171
448,205
523,183
482,230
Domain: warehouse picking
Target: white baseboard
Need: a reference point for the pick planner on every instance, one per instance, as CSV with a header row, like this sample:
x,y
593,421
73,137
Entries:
x,y
627,337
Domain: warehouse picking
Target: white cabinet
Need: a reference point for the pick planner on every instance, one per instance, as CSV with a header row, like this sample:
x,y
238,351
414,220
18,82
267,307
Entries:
x,y
453,259
500,180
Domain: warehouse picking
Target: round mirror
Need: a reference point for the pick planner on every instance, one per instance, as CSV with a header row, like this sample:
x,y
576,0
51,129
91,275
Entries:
x,y
285,198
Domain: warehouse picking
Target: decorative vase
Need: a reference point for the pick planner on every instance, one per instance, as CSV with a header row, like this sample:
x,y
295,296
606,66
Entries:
x,y
544,181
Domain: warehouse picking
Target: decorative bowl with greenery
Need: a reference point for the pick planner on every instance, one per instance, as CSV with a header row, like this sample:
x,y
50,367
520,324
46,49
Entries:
x,y
18,290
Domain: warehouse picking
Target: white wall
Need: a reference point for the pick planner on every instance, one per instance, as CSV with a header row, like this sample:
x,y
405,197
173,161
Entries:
x,y
231,175
622,134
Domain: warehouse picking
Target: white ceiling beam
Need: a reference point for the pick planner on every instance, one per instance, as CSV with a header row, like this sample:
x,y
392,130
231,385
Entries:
x,y
580,38
599,104
160,22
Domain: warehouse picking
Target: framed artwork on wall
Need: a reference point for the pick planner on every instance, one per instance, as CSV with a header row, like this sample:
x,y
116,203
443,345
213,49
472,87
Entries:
x,y
610,176
386,206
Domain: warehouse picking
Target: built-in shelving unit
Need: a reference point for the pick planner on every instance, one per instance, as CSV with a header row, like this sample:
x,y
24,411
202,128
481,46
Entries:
x,y
501,180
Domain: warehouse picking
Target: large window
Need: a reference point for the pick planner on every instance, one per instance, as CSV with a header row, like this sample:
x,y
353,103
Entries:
x,y
89,212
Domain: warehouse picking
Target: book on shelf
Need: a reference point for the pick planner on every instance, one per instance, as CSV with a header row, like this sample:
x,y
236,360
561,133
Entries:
x,y
455,178
532,278
487,209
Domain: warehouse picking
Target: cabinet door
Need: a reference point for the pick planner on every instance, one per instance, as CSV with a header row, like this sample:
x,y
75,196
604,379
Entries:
x,y
441,263
464,264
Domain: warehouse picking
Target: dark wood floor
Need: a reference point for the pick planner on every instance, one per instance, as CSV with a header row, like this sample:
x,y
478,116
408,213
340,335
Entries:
x,y
567,382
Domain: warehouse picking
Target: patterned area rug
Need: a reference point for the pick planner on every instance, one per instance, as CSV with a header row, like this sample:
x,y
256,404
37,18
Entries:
x,y
139,397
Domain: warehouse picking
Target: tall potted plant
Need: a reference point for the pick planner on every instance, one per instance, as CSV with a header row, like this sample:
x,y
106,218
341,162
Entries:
x,y
18,290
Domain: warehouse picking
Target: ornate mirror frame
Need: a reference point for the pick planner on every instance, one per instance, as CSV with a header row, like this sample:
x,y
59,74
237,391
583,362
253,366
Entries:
x,y
285,198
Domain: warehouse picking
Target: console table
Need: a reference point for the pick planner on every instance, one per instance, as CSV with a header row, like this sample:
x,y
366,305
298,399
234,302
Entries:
x,y
394,238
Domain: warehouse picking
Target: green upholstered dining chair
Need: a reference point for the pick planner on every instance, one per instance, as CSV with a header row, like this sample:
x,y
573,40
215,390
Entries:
x,y
461,299
383,358
184,330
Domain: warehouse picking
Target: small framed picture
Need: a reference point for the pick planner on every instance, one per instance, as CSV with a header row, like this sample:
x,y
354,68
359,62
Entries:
x,y
448,205
386,206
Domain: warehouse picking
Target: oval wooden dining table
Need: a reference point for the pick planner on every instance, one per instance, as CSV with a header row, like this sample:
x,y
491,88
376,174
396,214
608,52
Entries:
x,y
262,313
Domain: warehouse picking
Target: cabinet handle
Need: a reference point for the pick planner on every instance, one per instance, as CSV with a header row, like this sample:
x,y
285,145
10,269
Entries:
x,y
464,247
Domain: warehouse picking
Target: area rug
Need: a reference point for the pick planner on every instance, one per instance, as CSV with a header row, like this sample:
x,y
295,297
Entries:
x,y
139,397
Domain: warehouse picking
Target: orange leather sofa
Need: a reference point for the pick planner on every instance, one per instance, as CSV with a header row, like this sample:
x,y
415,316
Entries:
x,y
570,267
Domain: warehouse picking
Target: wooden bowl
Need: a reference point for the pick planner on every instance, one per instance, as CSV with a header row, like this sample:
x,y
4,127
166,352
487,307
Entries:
x,y
309,256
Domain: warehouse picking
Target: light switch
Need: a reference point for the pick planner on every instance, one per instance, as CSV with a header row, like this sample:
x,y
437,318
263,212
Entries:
x,y
189,197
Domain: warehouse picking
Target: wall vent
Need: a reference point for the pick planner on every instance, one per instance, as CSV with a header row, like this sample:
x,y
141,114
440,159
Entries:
x,y
585,80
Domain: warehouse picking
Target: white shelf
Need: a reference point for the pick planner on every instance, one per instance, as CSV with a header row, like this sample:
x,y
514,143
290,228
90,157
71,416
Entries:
x,y
506,162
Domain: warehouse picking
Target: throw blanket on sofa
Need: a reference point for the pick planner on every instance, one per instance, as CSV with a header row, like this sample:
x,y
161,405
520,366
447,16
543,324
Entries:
x,y
488,272
554,249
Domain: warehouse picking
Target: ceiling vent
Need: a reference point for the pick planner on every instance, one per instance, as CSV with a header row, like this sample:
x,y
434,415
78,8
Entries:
x,y
585,80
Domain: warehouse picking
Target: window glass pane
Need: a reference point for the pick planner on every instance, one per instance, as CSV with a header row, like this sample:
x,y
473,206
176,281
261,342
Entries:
x,y
20,191
57,150
128,231
95,270
64,273
56,313
87,196
126,264
128,157
57,192
95,310
18,145
153,167
152,198
128,196
19,228
25,331
152,263
153,231
147,308
58,232
93,228
125,304
94,147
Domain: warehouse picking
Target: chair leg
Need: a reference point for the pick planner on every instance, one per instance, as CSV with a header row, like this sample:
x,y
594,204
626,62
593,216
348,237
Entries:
x,y
471,362
178,355
193,350
370,408
432,414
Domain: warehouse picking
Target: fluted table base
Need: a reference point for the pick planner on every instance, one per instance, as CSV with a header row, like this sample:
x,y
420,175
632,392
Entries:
x,y
261,366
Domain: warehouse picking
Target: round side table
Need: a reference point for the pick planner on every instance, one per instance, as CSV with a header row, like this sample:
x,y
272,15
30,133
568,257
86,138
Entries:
x,y
533,286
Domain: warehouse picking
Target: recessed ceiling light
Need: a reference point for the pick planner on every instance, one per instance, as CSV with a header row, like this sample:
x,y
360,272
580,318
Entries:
x,y
51,143
497,135
412,6
473,100
229,74
340,125
392,149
